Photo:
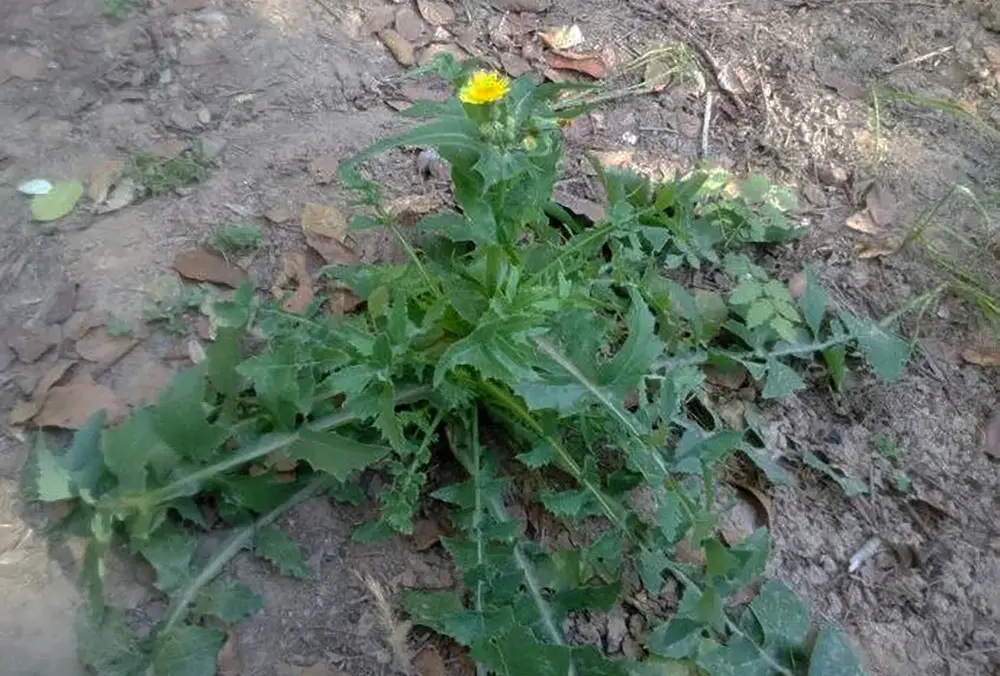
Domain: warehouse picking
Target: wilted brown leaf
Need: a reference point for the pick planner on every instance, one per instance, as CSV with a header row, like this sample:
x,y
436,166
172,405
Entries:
x,y
429,662
52,377
100,346
24,412
588,64
564,37
100,179
295,271
398,46
228,661
122,195
750,510
862,222
278,214
436,13
325,229
729,378
204,266
878,248
982,356
426,533
323,168
881,204
70,406
342,300
409,209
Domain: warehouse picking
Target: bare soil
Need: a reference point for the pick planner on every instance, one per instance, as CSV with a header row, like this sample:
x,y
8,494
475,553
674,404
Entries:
x,y
268,86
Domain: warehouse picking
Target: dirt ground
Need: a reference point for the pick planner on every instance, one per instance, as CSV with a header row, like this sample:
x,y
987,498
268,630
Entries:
x,y
271,85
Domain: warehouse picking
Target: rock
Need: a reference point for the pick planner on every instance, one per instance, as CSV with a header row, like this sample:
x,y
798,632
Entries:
x,y
184,120
617,629
832,174
34,341
522,5
631,649
60,304
204,115
637,627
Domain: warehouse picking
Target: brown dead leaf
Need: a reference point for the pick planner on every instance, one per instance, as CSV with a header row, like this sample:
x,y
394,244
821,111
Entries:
x,y
579,205
294,272
588,64
659,74
24,412
982,356
613,159
122,195
82,322
52,377
436,13
144,386
750,510
204,266
878,248
398,46
882,205
429,662
730,379
409,209
687,552
228,661
514,65
426,533
862,222
101,179
280,462
323,168
564,37
427,55
797,285
71,406
342,300
100,346
325,229
278,214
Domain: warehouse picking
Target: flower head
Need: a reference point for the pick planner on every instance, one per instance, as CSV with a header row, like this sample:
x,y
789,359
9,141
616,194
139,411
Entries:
x,y
484,87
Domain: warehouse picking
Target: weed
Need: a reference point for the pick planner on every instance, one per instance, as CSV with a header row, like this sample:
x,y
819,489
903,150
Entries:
x,y
169,307
118,10
118,326
158,175
234,238
576,340
890,452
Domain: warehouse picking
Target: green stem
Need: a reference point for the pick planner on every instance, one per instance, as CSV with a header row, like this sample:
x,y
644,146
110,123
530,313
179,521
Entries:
x,y
572,248
232,546
412,254
268,444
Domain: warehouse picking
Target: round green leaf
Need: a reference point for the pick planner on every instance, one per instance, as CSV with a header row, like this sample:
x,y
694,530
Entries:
x,y
57,202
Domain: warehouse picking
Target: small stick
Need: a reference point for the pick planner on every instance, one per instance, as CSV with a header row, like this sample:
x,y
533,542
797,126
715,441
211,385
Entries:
x,y
920,59
706,123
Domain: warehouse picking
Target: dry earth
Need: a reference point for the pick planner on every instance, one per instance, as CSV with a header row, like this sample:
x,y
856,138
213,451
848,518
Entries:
x,y
276,90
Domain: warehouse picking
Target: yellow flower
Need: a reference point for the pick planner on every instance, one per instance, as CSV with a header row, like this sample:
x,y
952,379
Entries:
x,y
484,87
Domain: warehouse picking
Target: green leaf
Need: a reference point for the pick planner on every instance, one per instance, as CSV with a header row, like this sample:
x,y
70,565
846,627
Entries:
x,y
46,479
781,381
181,420
83,459
272,544
169,551
228,601
677,638
57,202
518,653
130,447
565,503
833,655
782,615
640,350
651,566
761,310
107,645
713,312
187,651
224,355
542,454
718,560
738,658
755,188
336,455
747,292
813,301
887,353
852,487
836,359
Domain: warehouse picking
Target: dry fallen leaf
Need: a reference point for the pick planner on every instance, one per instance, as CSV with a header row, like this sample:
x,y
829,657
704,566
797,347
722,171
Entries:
x,y
427,55
24,65
580,206
377,19
278,214
145,385
564,37
52,377
436,13
101,179
591,65
429,662
862,222
294,271
514,65
325,229
228,662
409,209
613,159
991,436
398,46
100,346
122,195
71,406
426,533
204,266
881,204
797,284
323,169
982,356
342,300
879,248
24,412
750,510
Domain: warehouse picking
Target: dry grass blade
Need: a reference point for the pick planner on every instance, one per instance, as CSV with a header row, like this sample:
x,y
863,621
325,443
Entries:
x,y
396,631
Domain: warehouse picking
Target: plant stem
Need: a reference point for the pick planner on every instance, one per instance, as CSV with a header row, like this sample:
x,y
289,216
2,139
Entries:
x,y
234,544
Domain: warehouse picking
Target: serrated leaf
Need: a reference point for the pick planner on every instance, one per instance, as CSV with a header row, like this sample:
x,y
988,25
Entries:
x,y
565,503
887,353
542,454
782,615
747,292
180,418
273,545
228,601
106,645
334,454
57,202
677,638
813,301
671,517
169,551
833,655
132,445
782,380
187,651
760,311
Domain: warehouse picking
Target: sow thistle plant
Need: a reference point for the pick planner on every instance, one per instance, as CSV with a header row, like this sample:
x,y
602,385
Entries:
x,y
553,359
